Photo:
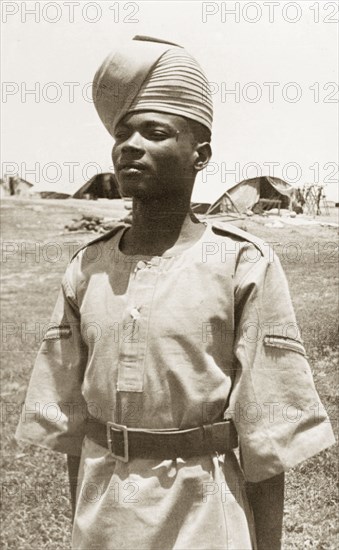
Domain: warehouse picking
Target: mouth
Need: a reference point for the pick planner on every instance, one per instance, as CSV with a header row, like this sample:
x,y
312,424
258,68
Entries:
x,y
131,167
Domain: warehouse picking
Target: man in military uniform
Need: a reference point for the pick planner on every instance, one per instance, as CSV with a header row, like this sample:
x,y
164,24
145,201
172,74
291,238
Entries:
x,y
171,341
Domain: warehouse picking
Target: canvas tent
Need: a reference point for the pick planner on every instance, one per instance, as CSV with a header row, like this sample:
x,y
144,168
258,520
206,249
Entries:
x,y
53,195
100,186
14,186
224,205
247,194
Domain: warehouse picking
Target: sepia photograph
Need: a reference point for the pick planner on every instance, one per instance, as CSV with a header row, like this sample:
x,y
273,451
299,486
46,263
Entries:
x,y
169,275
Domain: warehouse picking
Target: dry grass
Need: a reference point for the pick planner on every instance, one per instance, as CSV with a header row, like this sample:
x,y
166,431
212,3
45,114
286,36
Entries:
x,y
34,487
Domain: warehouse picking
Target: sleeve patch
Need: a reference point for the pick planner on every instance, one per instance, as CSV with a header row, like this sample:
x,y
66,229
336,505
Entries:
x,y
282,342
57,332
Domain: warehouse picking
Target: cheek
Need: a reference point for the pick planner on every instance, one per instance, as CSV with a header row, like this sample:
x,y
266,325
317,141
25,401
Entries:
x,y
179,160
167,156
115,154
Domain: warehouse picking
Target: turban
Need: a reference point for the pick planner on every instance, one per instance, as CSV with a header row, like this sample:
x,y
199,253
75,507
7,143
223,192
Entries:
x,y
147,74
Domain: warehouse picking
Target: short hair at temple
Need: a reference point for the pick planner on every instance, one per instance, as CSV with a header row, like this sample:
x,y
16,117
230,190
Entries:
x,y
200,132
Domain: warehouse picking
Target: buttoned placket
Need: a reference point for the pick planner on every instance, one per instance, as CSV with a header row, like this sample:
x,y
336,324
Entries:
x,y
135,321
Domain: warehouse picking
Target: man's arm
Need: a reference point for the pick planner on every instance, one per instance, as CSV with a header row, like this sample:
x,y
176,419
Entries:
x,y
73,469
267,501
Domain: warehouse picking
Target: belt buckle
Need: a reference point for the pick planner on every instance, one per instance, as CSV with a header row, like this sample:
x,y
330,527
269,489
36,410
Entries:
x,y
110,436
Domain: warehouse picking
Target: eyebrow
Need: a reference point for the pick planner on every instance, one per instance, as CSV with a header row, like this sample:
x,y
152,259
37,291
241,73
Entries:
x,y
148,124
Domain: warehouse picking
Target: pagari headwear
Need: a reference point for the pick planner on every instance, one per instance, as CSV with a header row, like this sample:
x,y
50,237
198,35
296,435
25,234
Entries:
x,y
148,74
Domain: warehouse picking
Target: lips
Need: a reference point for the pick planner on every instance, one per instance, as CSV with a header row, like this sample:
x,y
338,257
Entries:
x,y
132,166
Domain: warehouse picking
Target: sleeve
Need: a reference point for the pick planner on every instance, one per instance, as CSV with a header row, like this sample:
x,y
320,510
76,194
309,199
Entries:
x,y
274,404
54,412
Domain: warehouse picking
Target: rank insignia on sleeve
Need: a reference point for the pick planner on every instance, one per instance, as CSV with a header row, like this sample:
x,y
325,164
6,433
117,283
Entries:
x,y
284,343
57,332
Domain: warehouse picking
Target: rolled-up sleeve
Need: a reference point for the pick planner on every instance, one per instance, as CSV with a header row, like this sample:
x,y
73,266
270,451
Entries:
x,y
274,404
54,411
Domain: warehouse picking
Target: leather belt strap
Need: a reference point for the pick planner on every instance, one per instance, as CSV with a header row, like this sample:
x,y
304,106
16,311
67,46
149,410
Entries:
x,y
125,443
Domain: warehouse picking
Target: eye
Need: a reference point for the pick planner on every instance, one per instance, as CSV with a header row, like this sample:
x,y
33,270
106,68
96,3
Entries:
x,y
156,135
121,134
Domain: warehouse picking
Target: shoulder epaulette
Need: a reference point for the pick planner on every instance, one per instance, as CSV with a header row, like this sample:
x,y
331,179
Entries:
x,y
103,237
230,229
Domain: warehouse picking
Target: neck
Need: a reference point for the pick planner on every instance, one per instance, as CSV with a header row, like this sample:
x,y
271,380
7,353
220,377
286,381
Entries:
x,y
161,225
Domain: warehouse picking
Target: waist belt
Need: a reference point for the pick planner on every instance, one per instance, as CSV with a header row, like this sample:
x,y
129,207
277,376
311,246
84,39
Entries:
x,y
125,443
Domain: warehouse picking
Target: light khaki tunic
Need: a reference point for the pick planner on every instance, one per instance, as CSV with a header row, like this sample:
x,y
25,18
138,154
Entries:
x,y
174,342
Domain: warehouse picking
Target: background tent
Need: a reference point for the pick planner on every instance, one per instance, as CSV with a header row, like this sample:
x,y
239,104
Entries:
x,y
15,186
100,186
52,195
223,205
246,194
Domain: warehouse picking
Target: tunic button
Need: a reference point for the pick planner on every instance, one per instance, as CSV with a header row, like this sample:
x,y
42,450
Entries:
x,y
141,265
155,261
135,313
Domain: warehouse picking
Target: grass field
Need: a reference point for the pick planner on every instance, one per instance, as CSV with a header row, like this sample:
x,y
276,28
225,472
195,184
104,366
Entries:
x,y
35,251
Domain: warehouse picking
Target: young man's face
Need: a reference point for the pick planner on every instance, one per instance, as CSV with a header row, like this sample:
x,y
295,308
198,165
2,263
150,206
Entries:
x,y
154,155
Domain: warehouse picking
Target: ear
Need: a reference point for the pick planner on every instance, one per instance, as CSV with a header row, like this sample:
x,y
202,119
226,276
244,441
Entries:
x,y
203,153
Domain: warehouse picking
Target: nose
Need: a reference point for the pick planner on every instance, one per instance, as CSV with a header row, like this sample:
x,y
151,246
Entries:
x,y
134,143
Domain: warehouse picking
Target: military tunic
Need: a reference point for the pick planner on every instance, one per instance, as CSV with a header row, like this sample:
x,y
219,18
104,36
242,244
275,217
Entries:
x,y
174,342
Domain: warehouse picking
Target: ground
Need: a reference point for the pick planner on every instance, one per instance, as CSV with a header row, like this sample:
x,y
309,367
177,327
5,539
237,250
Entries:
x,y
35,251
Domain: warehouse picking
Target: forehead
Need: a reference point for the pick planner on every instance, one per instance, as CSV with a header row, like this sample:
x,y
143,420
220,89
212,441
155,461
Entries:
x,y
153,118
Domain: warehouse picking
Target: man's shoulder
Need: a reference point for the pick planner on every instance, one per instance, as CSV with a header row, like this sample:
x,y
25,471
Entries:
x,y
232,231
104,237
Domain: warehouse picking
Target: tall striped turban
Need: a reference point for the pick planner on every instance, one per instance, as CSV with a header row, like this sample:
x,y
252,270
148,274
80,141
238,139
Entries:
x,y
147,74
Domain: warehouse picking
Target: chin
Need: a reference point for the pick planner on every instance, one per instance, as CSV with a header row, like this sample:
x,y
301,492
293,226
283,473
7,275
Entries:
x,y
128,185
139,189
144,194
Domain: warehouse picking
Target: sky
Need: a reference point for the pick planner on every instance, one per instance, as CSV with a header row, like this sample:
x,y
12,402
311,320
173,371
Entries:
x,y
272,69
